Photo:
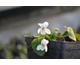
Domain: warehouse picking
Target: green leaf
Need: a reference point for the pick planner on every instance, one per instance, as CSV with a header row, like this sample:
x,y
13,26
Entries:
x,y
74,31
51,30
39,36
71,33
65,33
57,29
34,44
59,34
47,37
52,37
78,37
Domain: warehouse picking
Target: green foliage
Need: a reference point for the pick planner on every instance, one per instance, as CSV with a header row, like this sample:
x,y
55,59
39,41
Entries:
x,y
24,49
47,37
24,43
78,37
57,29
10,51
51,30
74,31
39,36
71,33
10,47
65,33
34,44
52,37
59,34
8,55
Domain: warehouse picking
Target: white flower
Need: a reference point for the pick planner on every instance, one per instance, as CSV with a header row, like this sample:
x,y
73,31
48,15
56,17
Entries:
x,y
43,30
43,45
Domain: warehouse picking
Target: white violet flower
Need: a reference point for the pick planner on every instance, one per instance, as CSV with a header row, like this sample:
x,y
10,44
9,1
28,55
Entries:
x,y
43,30
43,45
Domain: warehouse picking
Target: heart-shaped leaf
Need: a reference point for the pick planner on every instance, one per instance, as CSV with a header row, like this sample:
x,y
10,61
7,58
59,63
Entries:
x,y
71,33
34,44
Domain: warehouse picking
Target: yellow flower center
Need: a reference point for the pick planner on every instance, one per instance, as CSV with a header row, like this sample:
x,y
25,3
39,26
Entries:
x,y
43,44
43,28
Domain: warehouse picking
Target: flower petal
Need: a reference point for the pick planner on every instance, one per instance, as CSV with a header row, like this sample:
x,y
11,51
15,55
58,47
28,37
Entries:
x,y
46,49
38,47
43,32
44,41
39,30
42,48
45,24
40,24
47,31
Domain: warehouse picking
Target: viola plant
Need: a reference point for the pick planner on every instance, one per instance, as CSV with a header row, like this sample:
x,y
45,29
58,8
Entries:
x,y
41,41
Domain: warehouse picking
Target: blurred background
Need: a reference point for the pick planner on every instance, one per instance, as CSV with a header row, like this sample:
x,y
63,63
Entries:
x,y
15,21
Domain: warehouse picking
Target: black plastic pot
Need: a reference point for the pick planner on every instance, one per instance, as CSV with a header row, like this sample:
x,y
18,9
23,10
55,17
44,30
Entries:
x,y
56,50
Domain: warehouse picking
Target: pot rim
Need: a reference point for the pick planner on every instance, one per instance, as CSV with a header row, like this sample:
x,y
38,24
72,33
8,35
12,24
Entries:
x,y
66,42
